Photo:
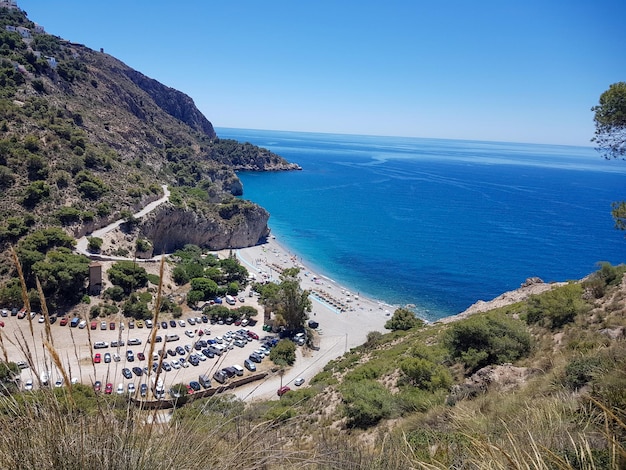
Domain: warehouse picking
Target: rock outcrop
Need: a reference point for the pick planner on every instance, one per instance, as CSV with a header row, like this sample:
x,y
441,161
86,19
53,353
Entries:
x,y
170,228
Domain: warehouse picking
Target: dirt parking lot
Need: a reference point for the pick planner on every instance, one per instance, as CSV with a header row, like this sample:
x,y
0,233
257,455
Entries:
x,y
74,348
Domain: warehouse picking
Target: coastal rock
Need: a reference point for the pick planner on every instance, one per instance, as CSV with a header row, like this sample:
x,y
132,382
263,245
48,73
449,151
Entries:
x,y
531,286
170,228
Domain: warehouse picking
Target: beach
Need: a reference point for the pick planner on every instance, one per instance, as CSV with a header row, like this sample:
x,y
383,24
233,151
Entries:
x,y
345,317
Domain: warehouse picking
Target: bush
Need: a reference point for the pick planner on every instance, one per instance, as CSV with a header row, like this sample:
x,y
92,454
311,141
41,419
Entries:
x,y
487,339
366,402
403,319
555,308
580,372
94,244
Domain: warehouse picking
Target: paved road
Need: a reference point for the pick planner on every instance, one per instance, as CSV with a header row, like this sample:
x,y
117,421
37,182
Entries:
x,y
82,243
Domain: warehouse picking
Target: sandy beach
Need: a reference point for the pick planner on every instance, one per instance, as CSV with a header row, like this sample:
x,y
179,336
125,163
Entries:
x,y
345,318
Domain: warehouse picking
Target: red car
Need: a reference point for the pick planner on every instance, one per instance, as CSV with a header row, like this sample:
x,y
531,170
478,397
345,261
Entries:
x,y
112,325
97,358
283,390
2,324
108,389
253,335
141,356
63,321
94,325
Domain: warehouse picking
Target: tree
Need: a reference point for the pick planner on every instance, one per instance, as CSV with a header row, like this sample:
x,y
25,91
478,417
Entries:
x,y
610,120
293,302
62,275
284,353
128,275
403,319
610,136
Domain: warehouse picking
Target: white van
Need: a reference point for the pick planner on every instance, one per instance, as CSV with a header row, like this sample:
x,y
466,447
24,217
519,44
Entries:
x,y
230,300
238,369
169,338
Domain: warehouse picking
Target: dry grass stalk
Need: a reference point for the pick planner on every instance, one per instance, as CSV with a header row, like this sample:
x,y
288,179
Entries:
x,y
44,310
25,299
57,362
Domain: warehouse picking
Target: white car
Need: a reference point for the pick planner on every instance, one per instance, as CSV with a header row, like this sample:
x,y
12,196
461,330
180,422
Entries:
x,y
28,385
116,357
41,319
182,323
120,389
189,333
175,364
299,381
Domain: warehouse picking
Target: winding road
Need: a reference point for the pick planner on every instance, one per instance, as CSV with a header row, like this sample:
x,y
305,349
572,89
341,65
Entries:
x,y
82,243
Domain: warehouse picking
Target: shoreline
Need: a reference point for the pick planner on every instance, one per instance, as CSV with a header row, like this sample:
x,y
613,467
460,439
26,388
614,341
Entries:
x,y
340,329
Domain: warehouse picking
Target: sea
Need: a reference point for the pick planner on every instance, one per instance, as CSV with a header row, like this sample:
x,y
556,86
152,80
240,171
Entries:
x,y
438,224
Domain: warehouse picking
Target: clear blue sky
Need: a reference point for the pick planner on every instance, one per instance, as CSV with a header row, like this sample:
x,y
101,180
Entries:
x,y
503,70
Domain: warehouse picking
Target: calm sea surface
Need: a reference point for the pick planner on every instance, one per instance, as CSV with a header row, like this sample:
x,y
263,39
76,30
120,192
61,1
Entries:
x,y
438,223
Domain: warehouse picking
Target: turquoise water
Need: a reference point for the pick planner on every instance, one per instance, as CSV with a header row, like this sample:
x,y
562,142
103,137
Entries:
x,y
438,223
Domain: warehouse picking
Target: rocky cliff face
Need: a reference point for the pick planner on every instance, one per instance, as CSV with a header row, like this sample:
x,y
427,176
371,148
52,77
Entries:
x,y
170,228
173,102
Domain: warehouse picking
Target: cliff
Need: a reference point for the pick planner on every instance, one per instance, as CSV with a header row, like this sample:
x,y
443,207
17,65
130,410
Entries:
x,y
85,139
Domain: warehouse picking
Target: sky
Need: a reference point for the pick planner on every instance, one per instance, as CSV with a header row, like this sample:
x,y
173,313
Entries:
x,y
496,70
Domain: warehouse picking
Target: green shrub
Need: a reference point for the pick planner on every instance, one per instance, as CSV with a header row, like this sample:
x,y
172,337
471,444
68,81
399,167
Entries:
x,y
487,339
366,402
403,319
284,353
555,308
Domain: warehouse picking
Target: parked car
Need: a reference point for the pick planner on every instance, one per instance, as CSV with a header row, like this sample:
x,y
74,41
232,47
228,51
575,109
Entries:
x,y
63,321
204,380
189,333
107,358
130,356
134,342
143,390
97,386
164,325
141,356
138,371
194,385
139,323
299,381
283,390
127,373
116,357
81,325
131,388
103,325
220,376
108,389
112,325
148,323
248,364
28,385
75,321
97,358
100,345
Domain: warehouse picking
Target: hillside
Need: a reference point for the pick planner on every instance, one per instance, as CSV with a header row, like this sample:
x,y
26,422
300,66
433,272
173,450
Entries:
x,y
85,139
